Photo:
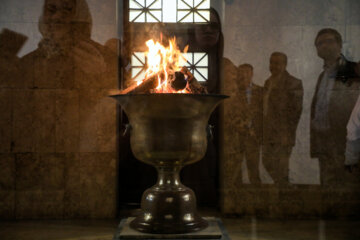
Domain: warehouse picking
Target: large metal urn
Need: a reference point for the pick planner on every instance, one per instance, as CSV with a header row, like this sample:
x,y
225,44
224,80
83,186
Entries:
x,y
168,131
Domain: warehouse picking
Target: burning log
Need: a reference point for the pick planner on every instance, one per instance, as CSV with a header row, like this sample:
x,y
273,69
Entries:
x,y
179,82
144,87
162,74
193,85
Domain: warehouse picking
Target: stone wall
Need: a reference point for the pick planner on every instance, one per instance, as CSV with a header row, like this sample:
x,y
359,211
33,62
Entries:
x,y
57,125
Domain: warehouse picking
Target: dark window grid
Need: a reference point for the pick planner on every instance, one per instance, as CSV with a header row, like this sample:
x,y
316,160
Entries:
x,y
193,66
191,10
146,9
143,67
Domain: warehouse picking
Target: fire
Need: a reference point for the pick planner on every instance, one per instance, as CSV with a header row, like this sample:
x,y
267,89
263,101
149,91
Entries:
x,y
162,63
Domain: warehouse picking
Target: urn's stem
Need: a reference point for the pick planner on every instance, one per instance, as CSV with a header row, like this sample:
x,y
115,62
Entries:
x,y
169,178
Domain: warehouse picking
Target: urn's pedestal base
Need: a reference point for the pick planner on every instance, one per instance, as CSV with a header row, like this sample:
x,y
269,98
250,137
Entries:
x,y
215,230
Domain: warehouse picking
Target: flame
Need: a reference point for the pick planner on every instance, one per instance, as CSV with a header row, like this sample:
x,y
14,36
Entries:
x,y
163,62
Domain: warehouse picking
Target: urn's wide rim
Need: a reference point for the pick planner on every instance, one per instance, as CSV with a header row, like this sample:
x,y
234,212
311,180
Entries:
x,y
172,94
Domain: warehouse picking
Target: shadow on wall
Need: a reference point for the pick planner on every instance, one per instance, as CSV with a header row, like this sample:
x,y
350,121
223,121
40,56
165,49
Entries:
x,y
58,129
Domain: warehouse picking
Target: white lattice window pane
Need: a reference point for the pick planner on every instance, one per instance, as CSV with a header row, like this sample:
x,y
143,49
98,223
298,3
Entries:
x,y
139,77
141,2
203,62
141,18
138,59
183,4
197,2
139,11
198,57
198,18
196,62
133,14
188,18
186,11
204,4
205,15
183,60
150,18
169,11
189,58
194,6
156,4
134,72
156,15
203,71
135,5
182,14
198,77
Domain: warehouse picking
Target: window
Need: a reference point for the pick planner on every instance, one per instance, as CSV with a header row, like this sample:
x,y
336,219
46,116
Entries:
x,y
196,62
167,11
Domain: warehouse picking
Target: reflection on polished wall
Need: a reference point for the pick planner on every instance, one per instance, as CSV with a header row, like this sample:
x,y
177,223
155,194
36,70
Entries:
x,y
292,180
58,127
283,132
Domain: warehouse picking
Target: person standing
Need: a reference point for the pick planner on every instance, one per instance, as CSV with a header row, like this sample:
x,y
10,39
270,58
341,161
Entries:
x,y
249,120
335,96
283,96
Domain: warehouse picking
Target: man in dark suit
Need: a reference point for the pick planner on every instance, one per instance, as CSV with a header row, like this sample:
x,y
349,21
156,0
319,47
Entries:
x,y
283,95
335,96
249,120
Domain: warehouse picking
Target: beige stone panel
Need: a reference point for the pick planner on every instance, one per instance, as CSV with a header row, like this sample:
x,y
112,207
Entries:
x,y
23,121
97,70
89,99
103,11
106,125
44,120
72,189
55,72
97,121
53,171
7,171
5,120
98,184
39,204
29,172
7,204
67,121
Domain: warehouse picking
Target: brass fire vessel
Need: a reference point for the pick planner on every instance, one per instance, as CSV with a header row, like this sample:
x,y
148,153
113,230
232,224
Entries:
x,y
168,131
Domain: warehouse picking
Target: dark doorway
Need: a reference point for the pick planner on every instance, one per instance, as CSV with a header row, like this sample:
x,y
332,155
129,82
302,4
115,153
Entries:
x,y
135,176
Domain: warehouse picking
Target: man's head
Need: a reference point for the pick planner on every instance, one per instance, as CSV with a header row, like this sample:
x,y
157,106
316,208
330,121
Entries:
x,y
245,72
208,35
328,44
278,62
65,17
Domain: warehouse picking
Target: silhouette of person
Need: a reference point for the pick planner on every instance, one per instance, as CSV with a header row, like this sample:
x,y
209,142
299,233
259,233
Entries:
x,y
208,38
249,103
352,150
67,49
67,59
202,176
283,95
336,92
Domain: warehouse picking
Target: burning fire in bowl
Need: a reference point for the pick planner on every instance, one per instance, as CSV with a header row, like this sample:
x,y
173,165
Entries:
x,y
168,113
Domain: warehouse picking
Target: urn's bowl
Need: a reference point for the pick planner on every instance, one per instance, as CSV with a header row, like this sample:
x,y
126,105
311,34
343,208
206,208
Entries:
x,y
168,129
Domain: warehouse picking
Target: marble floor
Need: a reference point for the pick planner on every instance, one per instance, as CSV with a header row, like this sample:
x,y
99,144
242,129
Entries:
x,y
242,229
